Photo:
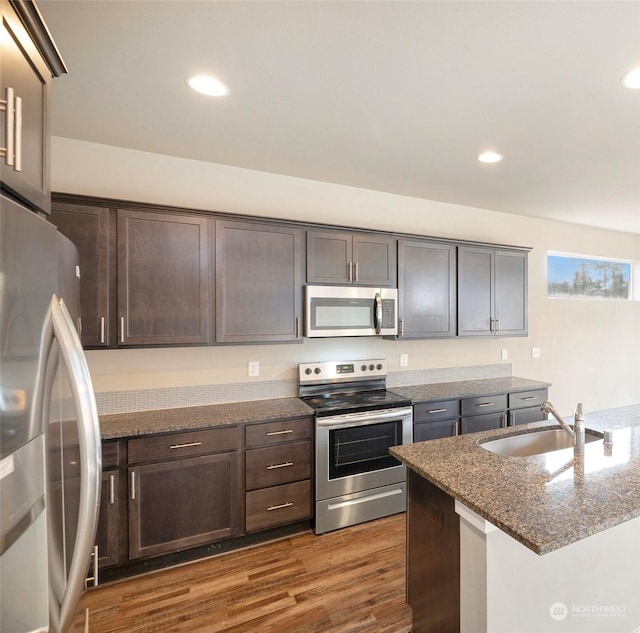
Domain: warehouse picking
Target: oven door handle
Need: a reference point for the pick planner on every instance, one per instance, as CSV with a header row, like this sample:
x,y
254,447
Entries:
x,y
363,418
378,313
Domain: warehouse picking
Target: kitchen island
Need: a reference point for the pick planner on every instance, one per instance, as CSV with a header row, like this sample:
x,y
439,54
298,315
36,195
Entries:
x,y
525,544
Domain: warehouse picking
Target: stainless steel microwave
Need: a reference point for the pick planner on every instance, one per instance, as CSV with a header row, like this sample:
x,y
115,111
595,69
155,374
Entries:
x,y
350,311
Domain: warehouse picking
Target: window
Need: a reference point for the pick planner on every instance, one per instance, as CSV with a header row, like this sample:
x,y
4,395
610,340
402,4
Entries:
x,y
578,277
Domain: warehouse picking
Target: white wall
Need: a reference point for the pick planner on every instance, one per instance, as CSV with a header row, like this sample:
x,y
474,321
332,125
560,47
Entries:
x,y
590,349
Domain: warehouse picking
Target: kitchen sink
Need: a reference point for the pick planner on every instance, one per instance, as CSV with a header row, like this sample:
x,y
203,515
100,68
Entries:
x,y
534,443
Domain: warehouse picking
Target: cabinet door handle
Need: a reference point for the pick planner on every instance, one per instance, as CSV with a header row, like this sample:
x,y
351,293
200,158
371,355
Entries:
x,y
288,504
102,329
186,445
497,326
112,489
283,465
297,327
6,105
456,428
133,485
401,324
437,411
355,272
349,272
18,160
484,404
122,329
503,420
285,432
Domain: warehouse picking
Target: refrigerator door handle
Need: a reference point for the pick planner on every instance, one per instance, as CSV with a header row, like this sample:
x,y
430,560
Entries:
x,y
72,356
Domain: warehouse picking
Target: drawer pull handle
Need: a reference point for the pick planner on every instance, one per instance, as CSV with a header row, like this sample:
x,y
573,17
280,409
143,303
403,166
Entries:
x,y
485,404
284,465
187,445
280,507
437,411
270,433
529,398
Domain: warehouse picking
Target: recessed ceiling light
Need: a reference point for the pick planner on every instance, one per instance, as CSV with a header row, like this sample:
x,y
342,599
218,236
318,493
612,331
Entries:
x,y
208,86
632,79
490,157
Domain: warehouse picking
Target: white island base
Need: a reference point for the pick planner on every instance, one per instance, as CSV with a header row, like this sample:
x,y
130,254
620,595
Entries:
x,y
590,586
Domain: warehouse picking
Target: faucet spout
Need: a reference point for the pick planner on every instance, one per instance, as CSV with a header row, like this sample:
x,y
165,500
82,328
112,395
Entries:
x,y
547,407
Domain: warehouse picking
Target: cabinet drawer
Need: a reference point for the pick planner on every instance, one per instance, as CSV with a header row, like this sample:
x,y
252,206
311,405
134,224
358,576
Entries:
x,y
524,399
278,465
441,410
483,404
109,455
278,505
177,445
277,432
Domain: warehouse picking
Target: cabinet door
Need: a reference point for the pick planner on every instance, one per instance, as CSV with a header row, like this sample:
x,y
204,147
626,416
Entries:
x,y
524,416
434,430
22,70
183,503
511,293
164,278
109,520
374,260
329,257
258,282
426,289
88,228
484,422
475,291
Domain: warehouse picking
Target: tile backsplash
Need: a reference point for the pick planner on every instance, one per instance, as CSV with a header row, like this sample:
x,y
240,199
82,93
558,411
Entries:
x,y
197,395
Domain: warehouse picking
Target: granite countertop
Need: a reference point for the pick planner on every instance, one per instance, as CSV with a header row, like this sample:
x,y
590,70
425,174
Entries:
x,y
137,423
467,388
543,501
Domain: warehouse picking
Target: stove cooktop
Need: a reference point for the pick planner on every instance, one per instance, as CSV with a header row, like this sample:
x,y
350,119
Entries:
x,y
355,401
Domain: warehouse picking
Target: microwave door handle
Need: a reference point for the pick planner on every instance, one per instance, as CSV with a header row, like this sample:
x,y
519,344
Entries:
x,y
377,313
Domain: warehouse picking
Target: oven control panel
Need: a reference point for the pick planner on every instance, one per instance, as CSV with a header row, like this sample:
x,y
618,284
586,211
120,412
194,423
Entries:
x,y
314,373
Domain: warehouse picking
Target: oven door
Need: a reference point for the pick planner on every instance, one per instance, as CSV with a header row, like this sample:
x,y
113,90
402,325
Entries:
x,y
352,451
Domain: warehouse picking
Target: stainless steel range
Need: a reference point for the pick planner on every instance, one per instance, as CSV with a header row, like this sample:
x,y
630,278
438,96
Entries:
x,y
356,421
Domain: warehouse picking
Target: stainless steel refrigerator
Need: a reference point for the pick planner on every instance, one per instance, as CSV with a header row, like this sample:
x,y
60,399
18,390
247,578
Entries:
x,y
50,457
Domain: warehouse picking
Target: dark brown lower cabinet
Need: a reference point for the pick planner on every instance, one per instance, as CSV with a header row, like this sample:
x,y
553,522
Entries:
x,y
182,503
433,557
107,533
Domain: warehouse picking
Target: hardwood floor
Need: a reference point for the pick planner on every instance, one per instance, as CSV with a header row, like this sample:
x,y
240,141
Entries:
x,y
351,580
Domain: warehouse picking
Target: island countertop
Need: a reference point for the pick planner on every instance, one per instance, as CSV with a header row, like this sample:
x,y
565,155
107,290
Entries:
x,y
543,501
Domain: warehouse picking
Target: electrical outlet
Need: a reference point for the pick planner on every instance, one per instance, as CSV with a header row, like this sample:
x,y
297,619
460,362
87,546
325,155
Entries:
x,y
504,354
404,360
535,352
254,368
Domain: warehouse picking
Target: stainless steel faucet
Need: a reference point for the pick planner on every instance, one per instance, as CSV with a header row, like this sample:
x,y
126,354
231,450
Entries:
x,y
577,432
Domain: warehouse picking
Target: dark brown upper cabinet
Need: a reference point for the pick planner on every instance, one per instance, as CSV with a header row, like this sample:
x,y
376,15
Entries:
x,y
258,282
25,88
492,292
426,289
361,259
164,279
90,229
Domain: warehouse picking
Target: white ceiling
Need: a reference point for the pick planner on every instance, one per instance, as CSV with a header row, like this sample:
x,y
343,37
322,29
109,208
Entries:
x,y
395,96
